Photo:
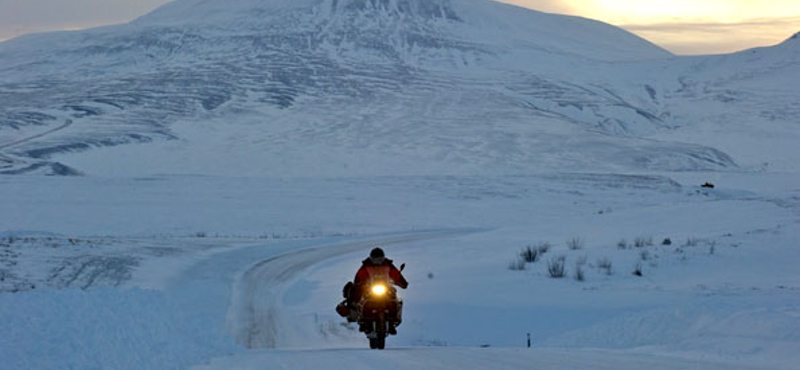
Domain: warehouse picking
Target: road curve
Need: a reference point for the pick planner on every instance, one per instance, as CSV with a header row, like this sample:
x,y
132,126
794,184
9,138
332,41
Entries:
x,y
254,317
256,320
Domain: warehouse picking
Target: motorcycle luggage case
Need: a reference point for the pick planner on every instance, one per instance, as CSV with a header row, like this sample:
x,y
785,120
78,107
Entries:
x,y
342,309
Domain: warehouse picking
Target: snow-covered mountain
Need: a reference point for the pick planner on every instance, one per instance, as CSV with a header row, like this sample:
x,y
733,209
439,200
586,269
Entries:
x,y
359,86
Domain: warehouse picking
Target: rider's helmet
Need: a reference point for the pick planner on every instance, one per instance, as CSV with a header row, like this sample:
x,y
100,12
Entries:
x,y
377,256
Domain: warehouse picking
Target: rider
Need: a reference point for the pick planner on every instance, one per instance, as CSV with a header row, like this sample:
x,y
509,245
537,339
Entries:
x,y
378,266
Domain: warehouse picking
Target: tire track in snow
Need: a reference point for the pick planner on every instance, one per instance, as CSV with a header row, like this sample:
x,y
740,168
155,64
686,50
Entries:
x,y
11,161
254,315
66,124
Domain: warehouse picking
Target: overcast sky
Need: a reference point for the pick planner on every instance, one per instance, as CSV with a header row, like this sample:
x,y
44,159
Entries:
x,y
681,26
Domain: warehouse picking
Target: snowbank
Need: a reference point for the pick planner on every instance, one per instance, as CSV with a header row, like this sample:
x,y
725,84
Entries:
x,y
104,329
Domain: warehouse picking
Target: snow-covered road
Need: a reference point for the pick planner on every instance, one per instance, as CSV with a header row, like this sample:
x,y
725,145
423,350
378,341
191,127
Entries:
x,y
445,358
260,321
255,316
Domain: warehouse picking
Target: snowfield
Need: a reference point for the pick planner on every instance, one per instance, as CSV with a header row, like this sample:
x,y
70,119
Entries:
x,y
255,267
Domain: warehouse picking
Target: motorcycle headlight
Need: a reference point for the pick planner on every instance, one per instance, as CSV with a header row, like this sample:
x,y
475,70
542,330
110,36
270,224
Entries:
x,y
379,289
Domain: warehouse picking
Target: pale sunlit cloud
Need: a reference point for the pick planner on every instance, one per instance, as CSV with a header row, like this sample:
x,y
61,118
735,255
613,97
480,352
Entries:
x,y
715,38
652,11
689,26
19,17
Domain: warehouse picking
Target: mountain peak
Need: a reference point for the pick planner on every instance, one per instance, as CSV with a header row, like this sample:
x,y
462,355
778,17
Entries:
x,y
215,10
430,9
427,24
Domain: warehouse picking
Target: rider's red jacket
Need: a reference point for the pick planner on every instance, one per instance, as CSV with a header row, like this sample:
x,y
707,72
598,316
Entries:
x,y
385,270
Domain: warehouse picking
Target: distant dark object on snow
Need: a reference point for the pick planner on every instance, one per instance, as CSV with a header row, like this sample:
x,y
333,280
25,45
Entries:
x,y
708,185
638,270
667,241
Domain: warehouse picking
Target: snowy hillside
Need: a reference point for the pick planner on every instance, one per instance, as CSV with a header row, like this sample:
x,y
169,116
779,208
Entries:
x,y
744,104
456,85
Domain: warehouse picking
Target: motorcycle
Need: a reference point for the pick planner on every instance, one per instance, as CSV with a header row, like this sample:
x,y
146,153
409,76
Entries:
x,y
378,312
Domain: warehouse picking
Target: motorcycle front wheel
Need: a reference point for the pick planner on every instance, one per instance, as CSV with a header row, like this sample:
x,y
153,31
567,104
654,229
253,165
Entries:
x,y
379,342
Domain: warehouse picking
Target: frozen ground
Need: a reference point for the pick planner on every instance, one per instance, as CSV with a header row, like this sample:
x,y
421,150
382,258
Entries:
x,y
174,272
